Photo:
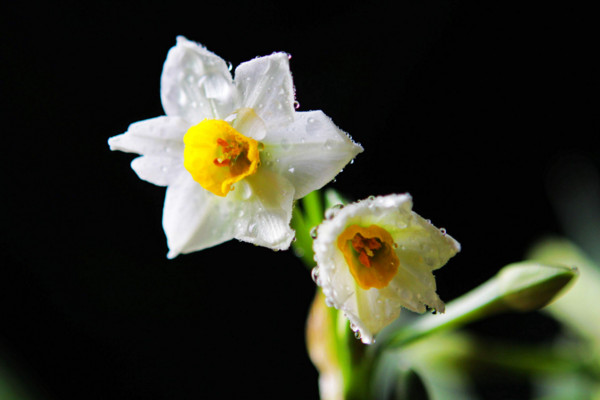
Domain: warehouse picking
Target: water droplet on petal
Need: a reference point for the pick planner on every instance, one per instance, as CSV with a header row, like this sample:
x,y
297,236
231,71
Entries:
x,y
357,334
353,327
314,274
443,231
245,191
333,211
229,66
313,232
296,104
291,170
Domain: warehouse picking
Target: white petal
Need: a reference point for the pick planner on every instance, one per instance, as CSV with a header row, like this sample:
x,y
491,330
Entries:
x,y
371,312
159,136
310,152
267,210
265,85
248,123
193,218
196,84
160,170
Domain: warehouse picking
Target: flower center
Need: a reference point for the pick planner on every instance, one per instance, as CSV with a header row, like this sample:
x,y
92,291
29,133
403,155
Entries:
x,y
369,253
217,156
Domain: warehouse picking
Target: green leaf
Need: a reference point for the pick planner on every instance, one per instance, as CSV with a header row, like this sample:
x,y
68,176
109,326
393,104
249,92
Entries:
x,y
579,308
524,286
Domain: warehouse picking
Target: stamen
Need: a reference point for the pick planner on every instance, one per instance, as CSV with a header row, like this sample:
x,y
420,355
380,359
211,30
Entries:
x,y
365,246
370,255
231,152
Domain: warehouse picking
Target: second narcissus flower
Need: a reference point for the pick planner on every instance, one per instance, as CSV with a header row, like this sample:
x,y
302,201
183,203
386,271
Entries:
x,y
233,153
376,256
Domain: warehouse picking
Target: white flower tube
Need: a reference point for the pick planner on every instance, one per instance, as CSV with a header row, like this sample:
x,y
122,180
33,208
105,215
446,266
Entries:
x,y
233,153
376,256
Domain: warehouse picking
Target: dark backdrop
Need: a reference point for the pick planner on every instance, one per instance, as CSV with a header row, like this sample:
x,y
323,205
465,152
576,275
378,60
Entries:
x,y
466,106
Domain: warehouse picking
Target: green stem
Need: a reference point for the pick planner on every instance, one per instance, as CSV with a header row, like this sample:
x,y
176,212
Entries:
x,y
302,245
478,303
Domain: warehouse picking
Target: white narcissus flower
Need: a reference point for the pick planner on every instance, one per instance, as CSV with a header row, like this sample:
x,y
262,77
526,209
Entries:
x,y
233,153
376,256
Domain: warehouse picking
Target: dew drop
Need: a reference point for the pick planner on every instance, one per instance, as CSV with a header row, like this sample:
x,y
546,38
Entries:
x,y
291,170
229,66
313,232
246,192
333,211
314,274
285,144
296,104
353,327
443,231
299,252
357,334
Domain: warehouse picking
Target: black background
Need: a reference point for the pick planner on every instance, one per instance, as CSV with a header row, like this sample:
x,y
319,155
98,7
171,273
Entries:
x,y
466,106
